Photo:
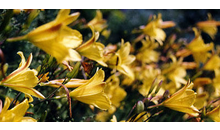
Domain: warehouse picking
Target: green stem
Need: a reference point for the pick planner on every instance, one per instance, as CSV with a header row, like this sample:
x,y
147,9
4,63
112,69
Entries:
x,y
150,107
197,75
14,39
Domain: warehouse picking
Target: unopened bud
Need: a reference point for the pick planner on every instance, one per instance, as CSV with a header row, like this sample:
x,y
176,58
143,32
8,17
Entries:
x,y
166,94
140,107
158,87
152,86
31,106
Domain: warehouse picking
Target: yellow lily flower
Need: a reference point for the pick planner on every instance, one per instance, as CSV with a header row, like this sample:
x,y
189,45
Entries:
x,y
98,22
56,38
199,49
213,63
114,91
153,28
209,26
92,49
23,79
214,114
149,76
176,72
121,60
201,100
16,114
92,92
147,53
183,100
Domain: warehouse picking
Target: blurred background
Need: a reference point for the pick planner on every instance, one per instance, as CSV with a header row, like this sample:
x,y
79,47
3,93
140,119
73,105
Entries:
x,y
121,22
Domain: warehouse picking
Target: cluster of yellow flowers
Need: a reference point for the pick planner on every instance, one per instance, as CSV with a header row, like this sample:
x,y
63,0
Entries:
x,y
161,78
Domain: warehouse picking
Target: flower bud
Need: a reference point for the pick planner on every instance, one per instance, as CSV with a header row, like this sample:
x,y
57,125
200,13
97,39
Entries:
x,y
152,86
166,94
140,107
158,87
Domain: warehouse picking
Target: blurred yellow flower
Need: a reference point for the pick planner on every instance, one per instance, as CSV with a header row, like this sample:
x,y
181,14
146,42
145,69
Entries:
x,y
201,100
115,93
199,49
92,92
121,60
183,100
56,38
16,114
176,72
154,28
149,75
209,26
213,63
214,114
147,53
92,49
23,79
98,22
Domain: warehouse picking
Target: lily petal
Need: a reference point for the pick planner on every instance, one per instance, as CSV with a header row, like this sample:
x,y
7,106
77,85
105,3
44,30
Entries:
x,y
30,91
93,92
23,79
183,100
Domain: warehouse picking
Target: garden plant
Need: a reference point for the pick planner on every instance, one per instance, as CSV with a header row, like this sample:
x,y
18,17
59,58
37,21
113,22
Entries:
x,y
96,65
